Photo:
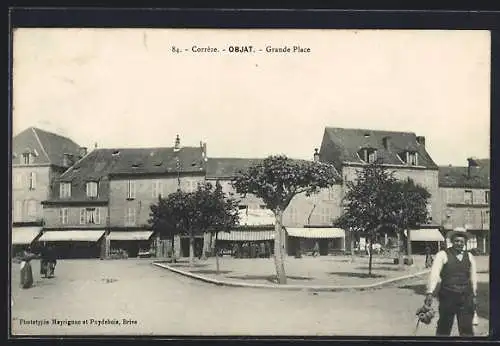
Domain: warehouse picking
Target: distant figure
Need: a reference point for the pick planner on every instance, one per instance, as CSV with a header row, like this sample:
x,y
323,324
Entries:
x,y
315,249
26,270
428,257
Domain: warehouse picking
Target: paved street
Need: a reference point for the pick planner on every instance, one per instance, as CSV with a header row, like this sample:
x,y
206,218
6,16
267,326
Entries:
x,y
158,302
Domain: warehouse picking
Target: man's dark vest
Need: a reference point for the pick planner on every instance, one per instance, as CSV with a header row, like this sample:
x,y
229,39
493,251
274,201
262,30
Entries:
x,y
455,275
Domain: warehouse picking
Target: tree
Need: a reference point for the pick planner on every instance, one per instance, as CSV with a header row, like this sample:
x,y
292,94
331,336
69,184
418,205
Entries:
x,y
411,209
225,215
277,180
192,213
163,217
377,200
366,210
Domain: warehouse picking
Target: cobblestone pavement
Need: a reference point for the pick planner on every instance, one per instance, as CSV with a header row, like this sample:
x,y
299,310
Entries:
x,y
147,300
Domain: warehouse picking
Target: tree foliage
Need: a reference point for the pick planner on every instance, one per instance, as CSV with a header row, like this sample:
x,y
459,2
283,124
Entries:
x,y
376,200
277,180
193,213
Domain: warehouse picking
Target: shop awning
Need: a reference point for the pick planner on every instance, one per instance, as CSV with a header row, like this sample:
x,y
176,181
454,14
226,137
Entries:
x,y
73,235
430,234
246,235
316,232
24,235
133,235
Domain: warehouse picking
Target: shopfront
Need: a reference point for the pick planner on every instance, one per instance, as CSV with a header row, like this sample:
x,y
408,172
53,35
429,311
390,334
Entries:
x,y
74,243
311,239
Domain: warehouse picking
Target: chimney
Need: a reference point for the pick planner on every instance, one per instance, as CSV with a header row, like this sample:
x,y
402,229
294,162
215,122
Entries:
x,y
204,151
421,140
471,163
177,145
82,152
387,142
316,155
67,160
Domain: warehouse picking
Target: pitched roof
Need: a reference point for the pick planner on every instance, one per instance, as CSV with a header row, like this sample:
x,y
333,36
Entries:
x,y
342,145
225,168
49,147
454,176
219,167
102,164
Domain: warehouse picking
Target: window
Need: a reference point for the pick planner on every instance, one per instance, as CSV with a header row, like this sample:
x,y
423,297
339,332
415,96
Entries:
x,y
472,243
63,216
18,181
26,159
331,194
486,197
368,155
157,188
468,217
468,197
130,216
18,211
32,180
409,157
91,216
92,189
65,190
412,158
485,217
32,208
130,189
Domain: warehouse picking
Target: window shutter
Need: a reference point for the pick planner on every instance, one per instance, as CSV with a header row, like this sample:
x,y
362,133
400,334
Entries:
x,y
97,215
33,180
82,216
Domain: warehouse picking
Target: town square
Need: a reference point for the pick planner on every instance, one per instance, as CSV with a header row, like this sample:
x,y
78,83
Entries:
x,y
161,192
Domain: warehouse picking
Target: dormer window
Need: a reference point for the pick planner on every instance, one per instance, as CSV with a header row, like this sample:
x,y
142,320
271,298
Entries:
x,y
65,190
409,157
92,189
27,158
368,155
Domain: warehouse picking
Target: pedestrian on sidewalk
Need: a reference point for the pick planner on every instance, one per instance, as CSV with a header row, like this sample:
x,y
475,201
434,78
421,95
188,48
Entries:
x,y
456,268
26,270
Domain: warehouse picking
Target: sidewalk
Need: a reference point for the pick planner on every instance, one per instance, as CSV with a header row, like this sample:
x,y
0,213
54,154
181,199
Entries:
x,y
320,273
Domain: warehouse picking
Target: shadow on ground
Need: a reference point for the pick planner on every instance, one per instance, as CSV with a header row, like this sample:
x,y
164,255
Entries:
x,y
388,268
186,265
357,275
270,278
483,296
210,271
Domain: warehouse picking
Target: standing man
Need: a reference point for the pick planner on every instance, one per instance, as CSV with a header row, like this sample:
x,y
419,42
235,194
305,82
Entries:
x,y
456,268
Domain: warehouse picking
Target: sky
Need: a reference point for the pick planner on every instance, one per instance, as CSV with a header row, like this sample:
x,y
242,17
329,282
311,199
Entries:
x,y
127,88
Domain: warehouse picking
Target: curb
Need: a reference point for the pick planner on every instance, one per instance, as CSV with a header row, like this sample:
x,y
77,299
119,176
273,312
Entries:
x,y
318,288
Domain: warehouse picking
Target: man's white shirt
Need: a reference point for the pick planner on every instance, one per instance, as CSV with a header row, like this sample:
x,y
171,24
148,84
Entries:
x,y
440,260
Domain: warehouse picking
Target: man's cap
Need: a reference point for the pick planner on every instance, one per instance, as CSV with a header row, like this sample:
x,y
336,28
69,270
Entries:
x,y
458,232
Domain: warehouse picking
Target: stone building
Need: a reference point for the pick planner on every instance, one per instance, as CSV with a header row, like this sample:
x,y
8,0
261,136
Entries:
x,y
38,158
465,200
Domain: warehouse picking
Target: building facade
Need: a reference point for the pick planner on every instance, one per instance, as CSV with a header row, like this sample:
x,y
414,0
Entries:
x,y
38,159
465,201
403,153
103,202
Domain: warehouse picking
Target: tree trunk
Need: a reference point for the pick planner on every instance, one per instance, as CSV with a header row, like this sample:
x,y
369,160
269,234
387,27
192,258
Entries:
x,y
370,257
351,239
408,245
279,248
216,253
172,253
400,252
191,249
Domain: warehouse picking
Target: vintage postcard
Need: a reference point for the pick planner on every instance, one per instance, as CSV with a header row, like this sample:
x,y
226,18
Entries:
x,y
228,182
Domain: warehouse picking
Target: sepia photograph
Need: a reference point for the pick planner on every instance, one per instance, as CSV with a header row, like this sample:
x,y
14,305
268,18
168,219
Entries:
x,y
244,182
